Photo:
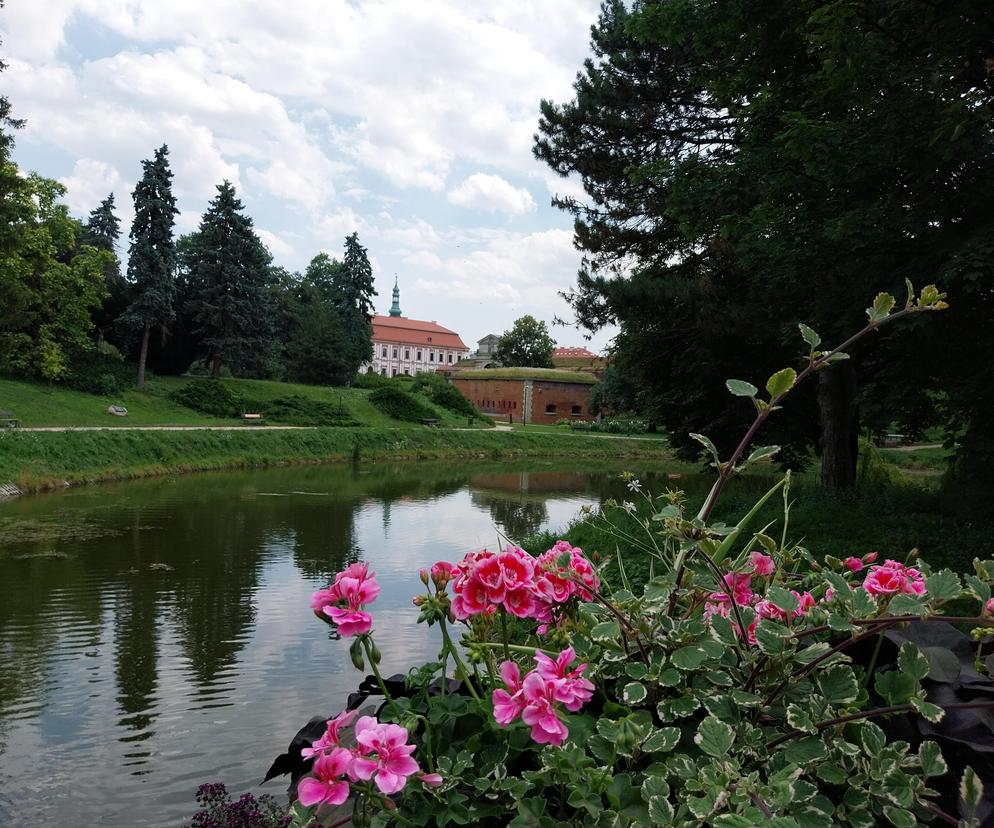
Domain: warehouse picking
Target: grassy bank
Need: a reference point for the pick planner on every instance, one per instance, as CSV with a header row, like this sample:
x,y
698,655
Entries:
x,y
40,405
39,460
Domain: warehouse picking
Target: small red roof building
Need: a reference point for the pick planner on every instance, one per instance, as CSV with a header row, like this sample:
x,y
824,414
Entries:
x,y
398,329
573,353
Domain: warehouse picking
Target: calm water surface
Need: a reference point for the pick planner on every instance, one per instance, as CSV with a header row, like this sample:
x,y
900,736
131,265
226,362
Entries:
x,y
157,634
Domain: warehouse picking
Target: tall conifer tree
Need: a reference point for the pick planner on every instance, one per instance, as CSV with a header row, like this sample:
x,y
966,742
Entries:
x,y
354,294
102,230
229,274
152,259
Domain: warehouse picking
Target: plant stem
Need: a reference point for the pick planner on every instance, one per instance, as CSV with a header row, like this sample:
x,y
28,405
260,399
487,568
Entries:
x,y
517,648
873,659
727,469
879,711
376,672
460,667
503,632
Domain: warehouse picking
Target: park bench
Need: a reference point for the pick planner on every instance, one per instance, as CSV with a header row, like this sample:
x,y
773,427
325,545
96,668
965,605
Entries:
x,y
430,422
8,420
253,419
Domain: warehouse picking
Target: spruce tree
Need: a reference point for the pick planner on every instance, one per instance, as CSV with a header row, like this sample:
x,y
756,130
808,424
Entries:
x,y
152,255
229,275
102,230
354,294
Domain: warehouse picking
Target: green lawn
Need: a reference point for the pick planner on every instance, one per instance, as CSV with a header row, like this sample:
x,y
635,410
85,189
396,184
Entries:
x,y
36,404
538,428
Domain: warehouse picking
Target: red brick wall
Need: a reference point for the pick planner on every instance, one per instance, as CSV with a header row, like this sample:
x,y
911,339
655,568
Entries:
x,y
506,396
493,396
565,396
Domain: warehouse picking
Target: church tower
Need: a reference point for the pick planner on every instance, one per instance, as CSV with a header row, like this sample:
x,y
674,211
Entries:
x,y
395,307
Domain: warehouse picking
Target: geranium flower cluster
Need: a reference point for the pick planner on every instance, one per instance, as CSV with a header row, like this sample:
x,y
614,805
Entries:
x,y
381,754
536,698
894,578
524,586
343,601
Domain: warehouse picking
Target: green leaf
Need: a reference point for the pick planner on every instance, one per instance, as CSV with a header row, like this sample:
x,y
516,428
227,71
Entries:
x,y
704,441
723,708
662,740
912,661
660,811
803,751
634,693
741,388
931,712
714,737
771,637
930,757
783,598
873,738
906,605
895,687
900,818
809,335
838,684
978,588
943,585
781,382
971,789
689,658
761,453
911,293
606,631
882,305
798,718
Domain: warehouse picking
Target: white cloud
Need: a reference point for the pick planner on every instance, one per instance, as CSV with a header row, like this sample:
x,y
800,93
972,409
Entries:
x,y
89,184
275,244
491,193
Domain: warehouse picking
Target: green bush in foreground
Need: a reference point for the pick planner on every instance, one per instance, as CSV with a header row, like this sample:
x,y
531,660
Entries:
x,y
745,684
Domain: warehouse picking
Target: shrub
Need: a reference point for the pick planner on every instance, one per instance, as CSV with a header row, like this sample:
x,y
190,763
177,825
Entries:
x,y
371,381
210,397
99,372
400,405
441,392
745,683
295,409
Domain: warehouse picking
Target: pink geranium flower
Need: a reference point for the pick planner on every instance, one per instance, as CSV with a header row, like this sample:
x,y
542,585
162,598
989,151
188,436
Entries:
x,y
853,564
387,755
894,578
737,585
342,602
761,564
508,703
332,736
326,786
539,711
571,689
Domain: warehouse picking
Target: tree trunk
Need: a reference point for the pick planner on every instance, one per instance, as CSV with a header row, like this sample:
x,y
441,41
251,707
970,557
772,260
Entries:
x,y
143,354
216,366
839,417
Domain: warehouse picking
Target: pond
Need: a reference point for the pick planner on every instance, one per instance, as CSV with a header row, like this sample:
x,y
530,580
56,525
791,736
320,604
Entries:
x,y
157,634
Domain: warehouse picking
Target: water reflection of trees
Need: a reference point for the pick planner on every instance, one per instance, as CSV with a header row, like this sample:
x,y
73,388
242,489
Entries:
x,y
181,559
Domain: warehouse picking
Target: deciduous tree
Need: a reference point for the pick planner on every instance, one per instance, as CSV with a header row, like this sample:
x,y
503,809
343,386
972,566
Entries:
x,y
528,344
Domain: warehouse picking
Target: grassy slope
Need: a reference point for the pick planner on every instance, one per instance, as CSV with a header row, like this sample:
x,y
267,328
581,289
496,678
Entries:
x,y
39,405
38,460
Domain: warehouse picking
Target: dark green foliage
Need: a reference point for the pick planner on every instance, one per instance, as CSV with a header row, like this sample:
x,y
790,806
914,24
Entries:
x,y
372,380
400,405
441,392
152,254
775,219
527,345
96,372
102,230
211,397
229,272
353,296
294,409
317,349
614,393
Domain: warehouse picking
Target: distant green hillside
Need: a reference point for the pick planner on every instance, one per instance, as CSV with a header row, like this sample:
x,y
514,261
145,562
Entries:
x,y
551,374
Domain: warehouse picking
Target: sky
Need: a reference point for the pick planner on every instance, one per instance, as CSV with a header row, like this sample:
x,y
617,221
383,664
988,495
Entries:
x,y
408,122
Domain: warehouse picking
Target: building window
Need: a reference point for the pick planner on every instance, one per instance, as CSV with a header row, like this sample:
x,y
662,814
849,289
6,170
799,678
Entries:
x,y
384,351
576,411
407,354
419,356
394,373
550,408
394,353
407,373
383,371
450,357
431,356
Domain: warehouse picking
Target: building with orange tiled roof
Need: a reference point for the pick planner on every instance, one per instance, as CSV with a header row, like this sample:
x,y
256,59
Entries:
x,y
403,346
573,353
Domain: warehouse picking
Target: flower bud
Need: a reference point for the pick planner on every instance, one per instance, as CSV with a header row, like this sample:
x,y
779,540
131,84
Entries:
x,y
418,600
423,574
